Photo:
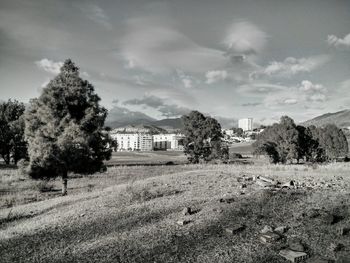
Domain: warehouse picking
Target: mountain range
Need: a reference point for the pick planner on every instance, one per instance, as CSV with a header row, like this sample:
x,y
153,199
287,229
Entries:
x,y
340,118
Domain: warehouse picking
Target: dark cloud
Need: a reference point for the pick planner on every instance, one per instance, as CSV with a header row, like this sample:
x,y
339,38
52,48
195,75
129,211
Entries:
x,y
251,104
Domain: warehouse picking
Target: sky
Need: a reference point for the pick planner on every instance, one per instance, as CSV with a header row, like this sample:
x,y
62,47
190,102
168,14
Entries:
x,y
231,59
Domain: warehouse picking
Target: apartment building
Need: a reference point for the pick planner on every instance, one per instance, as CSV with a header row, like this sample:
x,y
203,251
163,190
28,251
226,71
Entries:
x,y
168,141
133,141
246,124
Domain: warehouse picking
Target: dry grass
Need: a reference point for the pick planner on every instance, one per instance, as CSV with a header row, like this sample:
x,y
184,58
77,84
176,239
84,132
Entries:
x,y
129,214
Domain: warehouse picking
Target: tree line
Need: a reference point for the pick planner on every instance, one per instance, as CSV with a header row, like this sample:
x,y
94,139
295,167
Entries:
x,y
286,142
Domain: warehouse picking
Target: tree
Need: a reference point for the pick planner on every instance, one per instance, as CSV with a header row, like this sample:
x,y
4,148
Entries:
x,y
64,128
332,140
279,141
202,137
12,143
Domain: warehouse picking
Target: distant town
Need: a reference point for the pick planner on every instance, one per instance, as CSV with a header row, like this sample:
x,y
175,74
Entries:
x,y
143,138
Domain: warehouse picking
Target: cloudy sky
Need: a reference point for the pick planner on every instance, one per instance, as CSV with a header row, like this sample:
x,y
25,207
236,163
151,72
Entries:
x,y
233,59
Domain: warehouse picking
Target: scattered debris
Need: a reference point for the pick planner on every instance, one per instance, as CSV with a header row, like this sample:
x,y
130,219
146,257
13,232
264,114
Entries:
x,y
293,256
243,186
187,211
270,237
183,222
235,229
288,184
296,245
281,229
227,200
266,229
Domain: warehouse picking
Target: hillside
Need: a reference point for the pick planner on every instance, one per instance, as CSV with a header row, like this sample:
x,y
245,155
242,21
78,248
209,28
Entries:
x,y
140,128
340,118
136,214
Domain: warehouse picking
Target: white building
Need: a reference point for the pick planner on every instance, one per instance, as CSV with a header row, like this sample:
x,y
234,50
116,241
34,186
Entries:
x,y
246,124
228,132
168,141
133,141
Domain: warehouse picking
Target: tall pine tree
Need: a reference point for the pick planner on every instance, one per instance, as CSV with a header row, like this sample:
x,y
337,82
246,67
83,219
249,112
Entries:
x,y
64,128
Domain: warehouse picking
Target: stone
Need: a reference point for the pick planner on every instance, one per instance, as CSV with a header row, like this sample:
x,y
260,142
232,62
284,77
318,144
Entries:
x,y
266,229
183,222
296,245
281,229
270,237
235,229
263,183
293,256
187,211
243,186
227,200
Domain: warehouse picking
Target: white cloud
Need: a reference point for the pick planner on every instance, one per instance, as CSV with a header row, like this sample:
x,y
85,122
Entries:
x,y
291,66
85,74
307,94
215,75
261,88
245,38
340,43
308,86
49,65
153,44
187,83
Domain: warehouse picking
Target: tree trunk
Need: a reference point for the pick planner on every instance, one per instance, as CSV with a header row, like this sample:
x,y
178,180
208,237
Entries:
x,y
64,183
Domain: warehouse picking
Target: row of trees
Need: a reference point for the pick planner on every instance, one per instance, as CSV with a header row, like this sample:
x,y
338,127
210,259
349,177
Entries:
x,y
287,142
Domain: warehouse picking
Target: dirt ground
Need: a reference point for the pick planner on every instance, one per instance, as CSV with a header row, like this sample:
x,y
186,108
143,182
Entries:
x,y
136,214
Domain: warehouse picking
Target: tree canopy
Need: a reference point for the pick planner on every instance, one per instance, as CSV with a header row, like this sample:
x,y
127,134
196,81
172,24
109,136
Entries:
x,y
64,128
202,137
285,142
12,144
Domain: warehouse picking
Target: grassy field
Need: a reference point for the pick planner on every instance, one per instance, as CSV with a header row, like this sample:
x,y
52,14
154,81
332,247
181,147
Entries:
x,y
130,214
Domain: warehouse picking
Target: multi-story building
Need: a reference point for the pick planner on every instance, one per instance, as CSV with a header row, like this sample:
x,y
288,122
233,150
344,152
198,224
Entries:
x,y
168,141
246,124
133,141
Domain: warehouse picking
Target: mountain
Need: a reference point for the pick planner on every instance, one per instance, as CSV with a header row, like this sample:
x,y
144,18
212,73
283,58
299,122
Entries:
x,y
169,124
340,118
120,117
140,128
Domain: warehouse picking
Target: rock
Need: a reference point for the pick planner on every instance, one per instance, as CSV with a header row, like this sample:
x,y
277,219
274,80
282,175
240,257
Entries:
x,y
270,237
183,222
187,211
243,186
281,229
331,219
266,229
340,230
288,185
296,245
82,215
263,183
235,229
293,256
227,200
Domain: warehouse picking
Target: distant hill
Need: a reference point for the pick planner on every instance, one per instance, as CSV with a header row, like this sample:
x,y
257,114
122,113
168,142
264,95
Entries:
x,y
340,118
140,128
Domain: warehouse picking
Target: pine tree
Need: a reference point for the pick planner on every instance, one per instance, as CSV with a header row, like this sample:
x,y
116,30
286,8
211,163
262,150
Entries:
x,y
64,128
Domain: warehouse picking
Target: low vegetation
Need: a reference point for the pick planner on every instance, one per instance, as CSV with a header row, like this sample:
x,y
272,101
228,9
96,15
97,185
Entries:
x,y
131,214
